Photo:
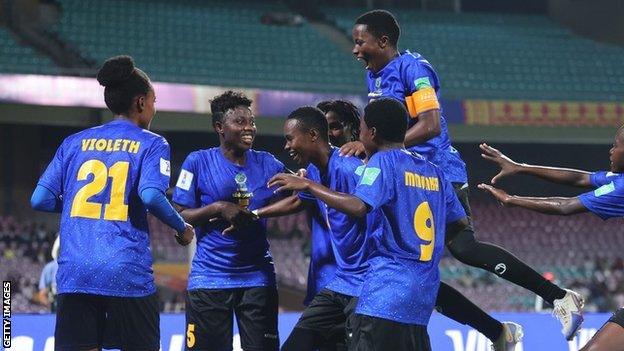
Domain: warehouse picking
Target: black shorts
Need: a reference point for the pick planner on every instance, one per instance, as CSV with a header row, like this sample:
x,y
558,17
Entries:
x,y
86,321
618,317
327,314
378,334
209,318
462,191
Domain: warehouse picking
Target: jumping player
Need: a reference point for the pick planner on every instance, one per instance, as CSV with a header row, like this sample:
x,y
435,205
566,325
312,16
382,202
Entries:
x,y
605,202
232,271
103,180
410,78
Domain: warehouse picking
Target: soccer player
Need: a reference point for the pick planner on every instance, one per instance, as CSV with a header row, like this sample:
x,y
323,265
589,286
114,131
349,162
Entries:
x,y
605,202
503,335
400,288
103,180
410,78
322,324
232,271
343,119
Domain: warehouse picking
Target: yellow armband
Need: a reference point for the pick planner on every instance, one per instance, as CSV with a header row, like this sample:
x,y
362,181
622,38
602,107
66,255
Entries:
x,y
421,101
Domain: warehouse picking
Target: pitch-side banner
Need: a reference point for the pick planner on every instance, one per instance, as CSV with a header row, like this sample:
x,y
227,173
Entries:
x,y
542,332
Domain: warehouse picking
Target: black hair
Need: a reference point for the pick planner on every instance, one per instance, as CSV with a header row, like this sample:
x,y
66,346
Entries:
x,y
346,111
227,101
122,82
389,117
380,23
310,117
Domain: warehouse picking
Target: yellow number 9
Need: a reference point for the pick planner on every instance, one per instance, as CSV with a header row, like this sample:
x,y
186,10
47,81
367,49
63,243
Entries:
x,y
425,229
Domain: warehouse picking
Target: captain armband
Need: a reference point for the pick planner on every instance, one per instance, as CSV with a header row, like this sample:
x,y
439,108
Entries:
x,y
421,101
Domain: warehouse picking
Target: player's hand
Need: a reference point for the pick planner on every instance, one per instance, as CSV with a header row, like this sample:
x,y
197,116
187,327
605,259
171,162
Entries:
x,y
236,215
288,182
507,165
353,148
186,236
500,195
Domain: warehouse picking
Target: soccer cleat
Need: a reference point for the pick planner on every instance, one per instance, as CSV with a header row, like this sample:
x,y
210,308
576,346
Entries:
x,y
511,335
569,311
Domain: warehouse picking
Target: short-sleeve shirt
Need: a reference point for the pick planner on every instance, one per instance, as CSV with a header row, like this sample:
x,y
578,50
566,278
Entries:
x,y
607,200
240,258
417,202
348,235
99,174
401,77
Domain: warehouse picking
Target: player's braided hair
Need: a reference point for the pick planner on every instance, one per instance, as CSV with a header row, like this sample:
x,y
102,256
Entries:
x,y
347,112
227,101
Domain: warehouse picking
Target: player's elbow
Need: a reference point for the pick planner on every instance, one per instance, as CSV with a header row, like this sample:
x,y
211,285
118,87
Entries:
x,y
42,200
360,209
569,206
434,130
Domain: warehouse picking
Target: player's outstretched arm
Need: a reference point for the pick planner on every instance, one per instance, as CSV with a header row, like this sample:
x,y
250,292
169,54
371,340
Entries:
x,y
508,166
156,202
427,127
345,203
283,207
547,205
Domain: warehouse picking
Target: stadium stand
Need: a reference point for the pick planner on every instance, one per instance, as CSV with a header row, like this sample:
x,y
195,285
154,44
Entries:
x,y
18,58
224,43
501,56
214,43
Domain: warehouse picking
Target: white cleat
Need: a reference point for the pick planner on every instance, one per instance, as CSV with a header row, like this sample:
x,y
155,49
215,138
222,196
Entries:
x,y
512,335
569,311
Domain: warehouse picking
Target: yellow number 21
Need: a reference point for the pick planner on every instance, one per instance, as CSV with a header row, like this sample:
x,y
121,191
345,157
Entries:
x,y
115,210
425,229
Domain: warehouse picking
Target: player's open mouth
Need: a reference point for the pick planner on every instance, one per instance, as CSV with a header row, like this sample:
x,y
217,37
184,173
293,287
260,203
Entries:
x,y
294,155
247,139
364,61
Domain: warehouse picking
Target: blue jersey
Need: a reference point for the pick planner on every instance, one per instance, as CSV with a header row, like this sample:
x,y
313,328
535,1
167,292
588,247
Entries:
x,y
322,266
240,258
400,78
416,202
348,234
99,173
608,199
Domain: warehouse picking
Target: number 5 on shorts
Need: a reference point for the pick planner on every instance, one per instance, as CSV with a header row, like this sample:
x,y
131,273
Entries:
x,y
190,335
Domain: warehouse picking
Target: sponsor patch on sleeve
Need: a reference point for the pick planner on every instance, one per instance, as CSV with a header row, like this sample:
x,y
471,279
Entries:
x,y
422,82
165,167
370,175
185,180
605,189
